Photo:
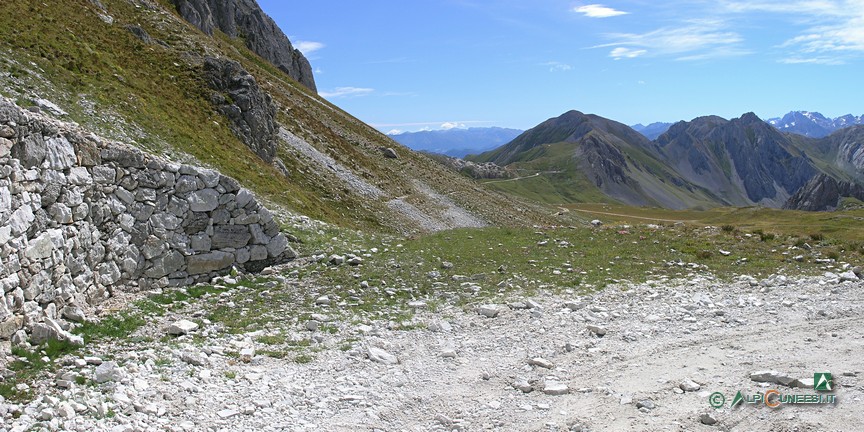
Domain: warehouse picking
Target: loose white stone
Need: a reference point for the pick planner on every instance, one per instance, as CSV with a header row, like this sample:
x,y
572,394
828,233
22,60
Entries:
x,y
181,327
378,355
554,388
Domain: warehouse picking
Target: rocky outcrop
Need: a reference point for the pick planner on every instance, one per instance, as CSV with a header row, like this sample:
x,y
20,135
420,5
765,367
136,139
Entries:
x,y
82,219
485,170
250,111
822,193
244,18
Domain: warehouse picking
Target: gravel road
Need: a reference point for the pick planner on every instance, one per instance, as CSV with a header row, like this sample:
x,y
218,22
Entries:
x,y
644,357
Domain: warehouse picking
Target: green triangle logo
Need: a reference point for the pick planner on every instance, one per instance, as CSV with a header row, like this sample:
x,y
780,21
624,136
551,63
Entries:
x,y
823,381
737,400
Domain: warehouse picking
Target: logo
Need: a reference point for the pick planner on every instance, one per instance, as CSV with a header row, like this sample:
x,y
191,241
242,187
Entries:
x,y
737,399
774,398
823,381
717,400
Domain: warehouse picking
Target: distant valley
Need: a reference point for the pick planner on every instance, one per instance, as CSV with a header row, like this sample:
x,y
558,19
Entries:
x,y
457,142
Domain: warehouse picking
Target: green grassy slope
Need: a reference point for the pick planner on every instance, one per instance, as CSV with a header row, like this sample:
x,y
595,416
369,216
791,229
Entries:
x,y
151,95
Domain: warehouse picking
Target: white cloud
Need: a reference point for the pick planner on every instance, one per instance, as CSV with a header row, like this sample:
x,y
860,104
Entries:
x,y
347,92
308,47
833,30
621,52
809,7
452,125
695,40
813,60
598,11
555,66
394,132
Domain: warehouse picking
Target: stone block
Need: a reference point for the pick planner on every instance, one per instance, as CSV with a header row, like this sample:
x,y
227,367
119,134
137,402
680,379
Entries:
x,y
203,200
233,236
60,154
126,158
209,262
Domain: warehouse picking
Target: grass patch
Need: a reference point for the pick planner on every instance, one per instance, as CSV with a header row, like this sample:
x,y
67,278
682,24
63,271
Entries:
x,y
118,326
270,339
577,259
274,353
32,365
304,358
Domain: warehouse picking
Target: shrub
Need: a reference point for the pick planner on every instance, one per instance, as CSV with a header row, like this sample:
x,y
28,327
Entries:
x,y
817,237
728,228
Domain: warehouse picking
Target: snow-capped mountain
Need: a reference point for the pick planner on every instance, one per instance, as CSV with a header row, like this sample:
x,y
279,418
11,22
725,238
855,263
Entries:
x,y
813,124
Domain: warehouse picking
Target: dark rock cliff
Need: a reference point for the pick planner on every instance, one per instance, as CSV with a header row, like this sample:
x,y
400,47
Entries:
x,y
244,18
250,111
823,192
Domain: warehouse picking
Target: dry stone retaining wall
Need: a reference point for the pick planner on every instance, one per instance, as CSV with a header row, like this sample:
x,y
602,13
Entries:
x,y
81,217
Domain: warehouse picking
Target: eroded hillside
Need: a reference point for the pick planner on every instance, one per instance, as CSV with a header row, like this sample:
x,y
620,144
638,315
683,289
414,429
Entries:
x,y
135,71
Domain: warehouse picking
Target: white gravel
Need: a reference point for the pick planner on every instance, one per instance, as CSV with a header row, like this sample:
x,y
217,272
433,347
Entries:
x,y
667,346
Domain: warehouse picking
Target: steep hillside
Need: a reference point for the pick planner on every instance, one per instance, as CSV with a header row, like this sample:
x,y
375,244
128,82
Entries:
x,y
744,160
457,142
577,157
137,72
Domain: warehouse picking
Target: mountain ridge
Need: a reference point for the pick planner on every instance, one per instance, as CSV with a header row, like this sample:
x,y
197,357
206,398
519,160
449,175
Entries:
x,y
706,161
813,124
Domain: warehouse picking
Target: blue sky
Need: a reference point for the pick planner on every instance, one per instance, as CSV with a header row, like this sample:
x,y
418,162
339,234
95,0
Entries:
x,y
408,65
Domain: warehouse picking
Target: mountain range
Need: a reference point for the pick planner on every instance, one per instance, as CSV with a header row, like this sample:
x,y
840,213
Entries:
x,y
705,162
456,142
813,124
807,123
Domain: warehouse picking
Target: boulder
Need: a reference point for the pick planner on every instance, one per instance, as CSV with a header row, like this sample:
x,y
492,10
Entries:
x,y
181,327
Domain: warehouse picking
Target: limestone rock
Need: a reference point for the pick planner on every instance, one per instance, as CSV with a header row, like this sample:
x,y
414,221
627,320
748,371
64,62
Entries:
x,y
261,34
541,362
597,330
233,236
50,330
250,111
203,200
554,388
108,371
707,419
689,386
378,355
488,310
181,327
208,262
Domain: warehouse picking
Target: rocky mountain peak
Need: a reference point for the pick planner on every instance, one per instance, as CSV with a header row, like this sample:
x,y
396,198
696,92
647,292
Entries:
x,y
749,118
245,18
